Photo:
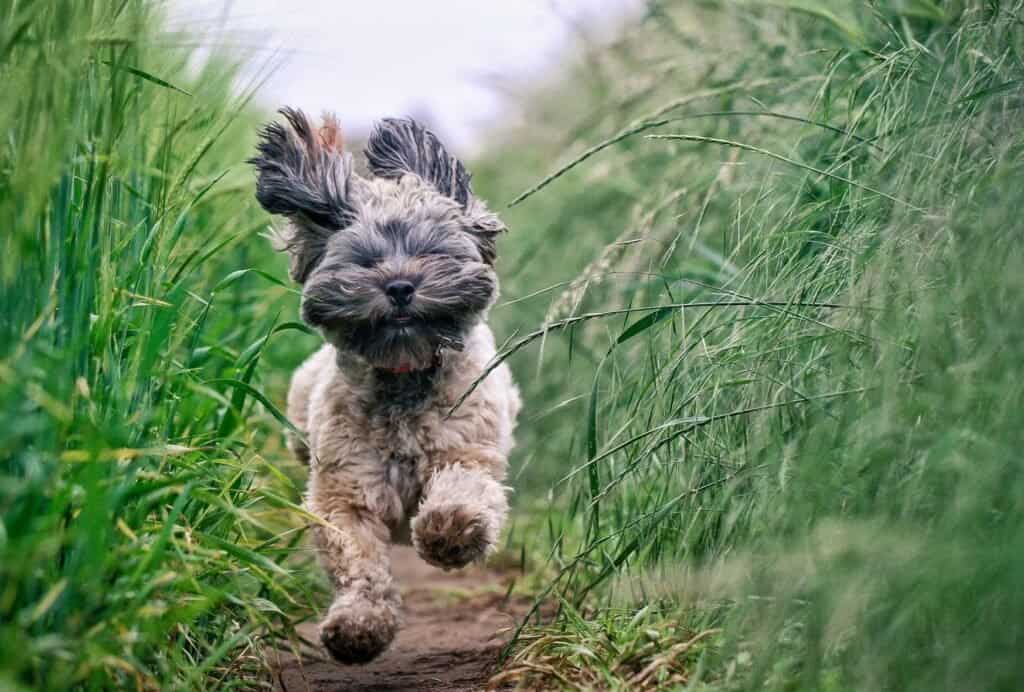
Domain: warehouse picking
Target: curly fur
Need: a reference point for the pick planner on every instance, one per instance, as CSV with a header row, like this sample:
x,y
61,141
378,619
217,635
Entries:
x,y
387,461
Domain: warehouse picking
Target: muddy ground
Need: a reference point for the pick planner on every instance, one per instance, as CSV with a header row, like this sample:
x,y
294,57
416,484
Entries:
x,y
455,626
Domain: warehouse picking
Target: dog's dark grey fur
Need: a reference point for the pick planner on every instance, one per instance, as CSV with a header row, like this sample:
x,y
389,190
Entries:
x,y
350,238
401,146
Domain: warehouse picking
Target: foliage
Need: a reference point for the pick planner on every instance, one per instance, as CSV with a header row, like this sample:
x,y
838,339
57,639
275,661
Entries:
x,y
776,379
145,529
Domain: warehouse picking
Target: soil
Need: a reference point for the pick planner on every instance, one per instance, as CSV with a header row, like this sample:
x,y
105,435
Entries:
x,y
455,626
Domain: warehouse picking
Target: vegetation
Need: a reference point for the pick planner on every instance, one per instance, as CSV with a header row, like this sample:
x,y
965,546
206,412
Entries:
x,y
762,292
779,386
144,525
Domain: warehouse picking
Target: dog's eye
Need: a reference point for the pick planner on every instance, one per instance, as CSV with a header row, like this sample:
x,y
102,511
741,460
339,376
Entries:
x,y
457,256
366,260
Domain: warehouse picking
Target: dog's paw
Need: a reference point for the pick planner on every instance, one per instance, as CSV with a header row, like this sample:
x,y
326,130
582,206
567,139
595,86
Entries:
x,y
357,630
452,536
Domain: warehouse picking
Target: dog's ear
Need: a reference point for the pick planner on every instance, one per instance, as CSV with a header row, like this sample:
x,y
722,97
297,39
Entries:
x,y
485,227
303,174
397,147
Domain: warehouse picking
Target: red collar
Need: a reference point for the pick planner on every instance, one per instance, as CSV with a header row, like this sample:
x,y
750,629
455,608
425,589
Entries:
x,y
406,368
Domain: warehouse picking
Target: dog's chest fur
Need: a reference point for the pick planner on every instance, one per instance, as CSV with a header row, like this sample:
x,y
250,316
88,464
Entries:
x,y
375,439
396,410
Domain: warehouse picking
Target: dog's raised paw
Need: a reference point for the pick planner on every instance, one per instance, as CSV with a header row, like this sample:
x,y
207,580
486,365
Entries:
x,y
452,536
357,631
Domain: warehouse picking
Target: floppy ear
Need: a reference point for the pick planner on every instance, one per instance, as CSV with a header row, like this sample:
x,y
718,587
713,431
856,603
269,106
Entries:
x,y
401,146
484,226
304,175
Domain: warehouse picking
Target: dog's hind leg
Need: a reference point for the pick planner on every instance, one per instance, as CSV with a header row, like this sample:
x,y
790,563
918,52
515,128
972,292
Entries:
x,y
364,615
463,508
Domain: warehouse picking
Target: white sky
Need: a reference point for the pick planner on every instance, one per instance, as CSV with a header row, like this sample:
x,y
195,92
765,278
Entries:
x,y
448,61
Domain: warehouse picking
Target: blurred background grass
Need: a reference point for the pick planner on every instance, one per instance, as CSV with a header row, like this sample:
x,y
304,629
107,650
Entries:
x,y
814,482
772,429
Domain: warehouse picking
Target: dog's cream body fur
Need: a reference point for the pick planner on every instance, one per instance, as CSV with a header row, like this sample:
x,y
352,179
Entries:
x,y
375,468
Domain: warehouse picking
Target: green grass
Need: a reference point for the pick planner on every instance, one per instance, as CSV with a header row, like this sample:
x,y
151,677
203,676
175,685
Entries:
x,y
146,533
762,292
806,445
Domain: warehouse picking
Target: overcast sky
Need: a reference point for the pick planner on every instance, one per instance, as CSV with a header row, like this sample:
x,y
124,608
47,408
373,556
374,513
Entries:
x,y
445,60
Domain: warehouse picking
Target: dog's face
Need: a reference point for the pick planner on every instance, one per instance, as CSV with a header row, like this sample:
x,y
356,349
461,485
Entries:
x,y
405,279
394,267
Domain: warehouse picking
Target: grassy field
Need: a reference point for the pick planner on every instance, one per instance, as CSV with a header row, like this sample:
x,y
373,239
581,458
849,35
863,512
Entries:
x,y
144,522
763,292
779,393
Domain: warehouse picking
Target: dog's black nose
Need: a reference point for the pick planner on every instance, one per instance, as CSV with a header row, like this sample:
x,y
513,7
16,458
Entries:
x,y
400,292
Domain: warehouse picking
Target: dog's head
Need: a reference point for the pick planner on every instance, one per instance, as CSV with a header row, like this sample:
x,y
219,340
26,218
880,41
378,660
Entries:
x,y
393,267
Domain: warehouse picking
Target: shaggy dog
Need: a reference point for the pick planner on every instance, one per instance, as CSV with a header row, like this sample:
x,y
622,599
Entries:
x,y
397,274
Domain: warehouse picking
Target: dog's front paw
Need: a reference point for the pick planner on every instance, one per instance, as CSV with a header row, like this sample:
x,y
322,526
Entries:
x,y
452,536
356,629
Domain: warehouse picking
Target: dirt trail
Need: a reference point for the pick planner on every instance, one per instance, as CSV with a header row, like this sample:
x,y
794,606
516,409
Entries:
x,y
455,625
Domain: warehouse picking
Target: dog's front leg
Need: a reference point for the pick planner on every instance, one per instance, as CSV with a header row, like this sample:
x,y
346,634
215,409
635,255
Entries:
x,y
364,615
463,508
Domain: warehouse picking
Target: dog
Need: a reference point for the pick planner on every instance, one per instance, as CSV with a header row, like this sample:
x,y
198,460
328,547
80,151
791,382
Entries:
x,y
397,274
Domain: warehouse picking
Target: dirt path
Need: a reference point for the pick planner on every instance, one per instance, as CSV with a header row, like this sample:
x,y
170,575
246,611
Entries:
x,y
455,626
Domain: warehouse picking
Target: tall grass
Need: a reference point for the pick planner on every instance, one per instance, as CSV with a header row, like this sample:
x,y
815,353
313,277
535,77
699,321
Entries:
x,y
798,465
765,304
145,530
